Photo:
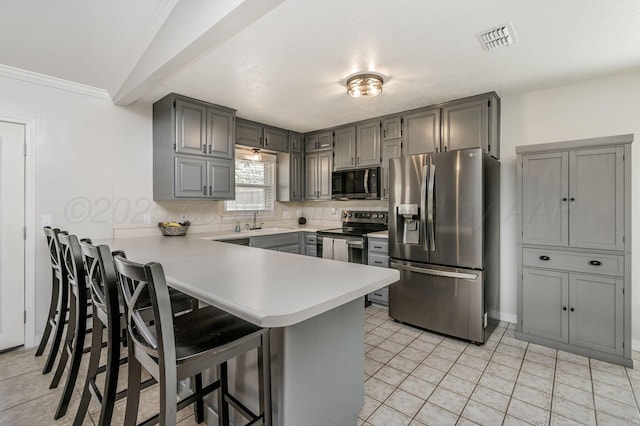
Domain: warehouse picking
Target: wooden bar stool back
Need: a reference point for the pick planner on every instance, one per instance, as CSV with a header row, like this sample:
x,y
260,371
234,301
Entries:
x,y
59,305
175,348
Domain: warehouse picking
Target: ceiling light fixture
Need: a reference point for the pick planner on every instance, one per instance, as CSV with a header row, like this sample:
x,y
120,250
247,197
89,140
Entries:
x,y
256,156
364,85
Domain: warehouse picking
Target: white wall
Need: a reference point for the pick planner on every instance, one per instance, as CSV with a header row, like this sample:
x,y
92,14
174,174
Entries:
x,y
601,107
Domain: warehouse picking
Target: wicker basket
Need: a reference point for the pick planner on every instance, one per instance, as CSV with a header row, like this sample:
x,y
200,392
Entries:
x,y
173,231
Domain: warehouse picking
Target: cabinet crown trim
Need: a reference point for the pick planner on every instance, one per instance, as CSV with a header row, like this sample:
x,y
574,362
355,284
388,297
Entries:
x,y
576,144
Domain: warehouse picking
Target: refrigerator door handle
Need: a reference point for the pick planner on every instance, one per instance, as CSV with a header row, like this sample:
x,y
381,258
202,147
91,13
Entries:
x,y
437,272
423,206
430,206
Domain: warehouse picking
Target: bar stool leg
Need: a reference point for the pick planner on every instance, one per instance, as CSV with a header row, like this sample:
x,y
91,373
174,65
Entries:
x,y
76,356
111,379
51,317
223,405
63,305
264,370
133,388
67,344
94,364
199,414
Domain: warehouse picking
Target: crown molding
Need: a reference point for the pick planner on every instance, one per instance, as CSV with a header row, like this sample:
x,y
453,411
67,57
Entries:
x,y
57,83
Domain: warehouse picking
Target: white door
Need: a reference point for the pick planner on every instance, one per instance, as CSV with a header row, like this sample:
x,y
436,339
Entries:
x,y
12,168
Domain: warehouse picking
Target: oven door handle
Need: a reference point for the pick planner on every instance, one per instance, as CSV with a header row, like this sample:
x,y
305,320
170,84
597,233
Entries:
x,y
355,244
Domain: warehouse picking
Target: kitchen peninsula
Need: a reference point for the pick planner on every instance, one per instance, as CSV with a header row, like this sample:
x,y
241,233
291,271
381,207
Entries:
x,y
314,307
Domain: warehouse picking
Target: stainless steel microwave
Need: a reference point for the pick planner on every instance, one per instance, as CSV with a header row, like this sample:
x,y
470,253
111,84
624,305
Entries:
x,y
356,184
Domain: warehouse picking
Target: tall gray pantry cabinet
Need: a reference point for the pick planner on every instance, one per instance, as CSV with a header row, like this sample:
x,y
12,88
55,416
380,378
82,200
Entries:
x,y
574,285
193,150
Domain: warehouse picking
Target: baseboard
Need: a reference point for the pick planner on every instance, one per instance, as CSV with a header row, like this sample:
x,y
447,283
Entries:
x,y
635,345
508,317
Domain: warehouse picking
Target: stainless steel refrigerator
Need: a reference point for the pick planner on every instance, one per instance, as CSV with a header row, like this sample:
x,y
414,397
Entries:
x,y
444,238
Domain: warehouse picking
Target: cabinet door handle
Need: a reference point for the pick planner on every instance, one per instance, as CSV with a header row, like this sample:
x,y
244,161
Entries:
x,y
573,199
204,190
564,308
204,149
266,141
564,199
595,263
209,149
545,258
210,192
572,310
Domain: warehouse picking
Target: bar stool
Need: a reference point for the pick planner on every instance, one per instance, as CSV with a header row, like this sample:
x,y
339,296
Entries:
x,y
175,348
59,305
73,348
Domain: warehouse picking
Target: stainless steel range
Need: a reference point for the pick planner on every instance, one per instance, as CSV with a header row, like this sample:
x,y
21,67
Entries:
x,y
349,243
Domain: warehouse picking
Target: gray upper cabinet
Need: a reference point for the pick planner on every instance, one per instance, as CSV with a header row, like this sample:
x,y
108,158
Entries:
x,y
574,198
596,198
204,178
248,133
465,125
368,144
191,127
256,135
290,177
296,142
318,141
421,132
390,149
357,146
545,194
344,148
220,133
190,137
574,283
318,167
391,128
276,139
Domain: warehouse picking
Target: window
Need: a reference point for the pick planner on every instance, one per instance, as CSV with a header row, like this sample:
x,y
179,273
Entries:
x,y
255,183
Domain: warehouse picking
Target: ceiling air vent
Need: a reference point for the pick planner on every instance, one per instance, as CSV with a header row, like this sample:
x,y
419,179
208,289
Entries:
x,y
500,36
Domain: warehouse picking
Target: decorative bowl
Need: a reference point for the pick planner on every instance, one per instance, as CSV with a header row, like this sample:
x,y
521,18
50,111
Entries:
x,y
174,230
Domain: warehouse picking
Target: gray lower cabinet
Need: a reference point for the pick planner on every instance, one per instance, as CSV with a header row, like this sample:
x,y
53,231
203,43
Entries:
x,y
378,255
578,309
288,242
193,150
310,244
574,289
205,179
318,168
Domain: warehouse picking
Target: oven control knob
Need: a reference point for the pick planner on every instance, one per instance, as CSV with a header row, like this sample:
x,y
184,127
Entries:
x,y
350,214
344,214
375,215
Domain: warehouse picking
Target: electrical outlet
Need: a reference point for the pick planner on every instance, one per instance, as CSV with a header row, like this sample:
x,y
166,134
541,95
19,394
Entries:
x,y
46,220
146,218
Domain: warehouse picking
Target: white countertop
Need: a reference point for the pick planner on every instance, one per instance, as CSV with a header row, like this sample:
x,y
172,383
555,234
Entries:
x,y
379,234
267,288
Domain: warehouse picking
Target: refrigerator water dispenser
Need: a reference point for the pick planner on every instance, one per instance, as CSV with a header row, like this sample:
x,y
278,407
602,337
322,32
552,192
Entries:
x,y
409,222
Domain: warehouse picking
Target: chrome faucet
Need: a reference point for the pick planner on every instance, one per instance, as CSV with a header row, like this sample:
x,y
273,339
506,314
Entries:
x,y
255,225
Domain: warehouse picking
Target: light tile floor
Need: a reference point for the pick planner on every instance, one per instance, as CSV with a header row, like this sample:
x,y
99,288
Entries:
x,y
414,377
